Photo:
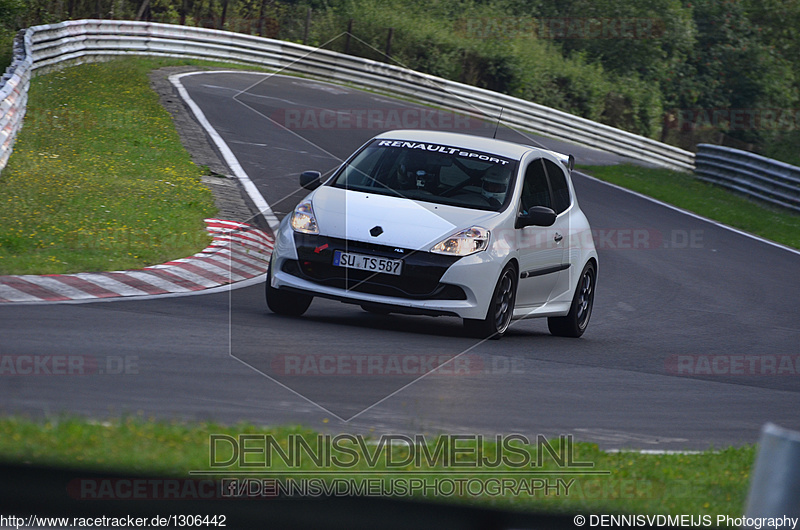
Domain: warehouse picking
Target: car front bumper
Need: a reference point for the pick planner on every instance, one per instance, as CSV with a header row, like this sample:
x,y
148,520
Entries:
x,y
430,284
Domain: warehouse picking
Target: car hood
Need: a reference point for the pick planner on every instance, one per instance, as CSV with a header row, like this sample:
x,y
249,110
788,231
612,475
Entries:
x,y
404,223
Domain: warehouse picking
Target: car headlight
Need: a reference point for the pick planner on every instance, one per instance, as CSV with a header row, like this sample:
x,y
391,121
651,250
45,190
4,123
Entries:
x,y
466,242
303,219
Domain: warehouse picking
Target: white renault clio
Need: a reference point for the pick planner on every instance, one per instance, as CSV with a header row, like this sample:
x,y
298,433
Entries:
x,y
433,223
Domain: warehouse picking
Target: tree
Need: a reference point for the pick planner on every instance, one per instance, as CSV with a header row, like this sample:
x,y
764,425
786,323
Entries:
x,y
731,68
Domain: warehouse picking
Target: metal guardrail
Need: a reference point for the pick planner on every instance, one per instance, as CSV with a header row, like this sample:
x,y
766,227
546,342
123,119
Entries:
x,y
14,94
51,46
753,175
775,483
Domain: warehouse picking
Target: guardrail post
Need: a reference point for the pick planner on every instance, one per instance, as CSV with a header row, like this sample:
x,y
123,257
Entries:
x,y
347,39
775,482
389,43
308,25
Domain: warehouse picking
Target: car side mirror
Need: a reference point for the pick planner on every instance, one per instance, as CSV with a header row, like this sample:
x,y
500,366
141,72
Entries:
x,y
310,180
536,216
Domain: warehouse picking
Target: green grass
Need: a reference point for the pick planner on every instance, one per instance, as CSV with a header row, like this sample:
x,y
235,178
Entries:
x,y
98,179
707,483
687,192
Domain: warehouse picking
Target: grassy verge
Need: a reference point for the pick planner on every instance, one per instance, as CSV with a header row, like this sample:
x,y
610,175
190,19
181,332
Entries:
x,y
710,483
99,179
689,193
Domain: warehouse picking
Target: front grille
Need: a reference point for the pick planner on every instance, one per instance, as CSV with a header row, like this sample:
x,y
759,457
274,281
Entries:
x,y
420,278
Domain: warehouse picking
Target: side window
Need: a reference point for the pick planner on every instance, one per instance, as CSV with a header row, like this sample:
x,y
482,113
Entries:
x,y
535,191
558,183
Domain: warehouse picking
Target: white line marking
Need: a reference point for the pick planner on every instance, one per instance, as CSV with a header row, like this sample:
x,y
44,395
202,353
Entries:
x,y
692,214
227,154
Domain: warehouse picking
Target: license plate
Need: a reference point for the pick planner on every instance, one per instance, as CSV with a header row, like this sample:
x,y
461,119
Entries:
x,y
362,262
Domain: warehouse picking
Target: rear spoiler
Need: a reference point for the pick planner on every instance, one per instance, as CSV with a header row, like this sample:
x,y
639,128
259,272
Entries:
x,y
567,160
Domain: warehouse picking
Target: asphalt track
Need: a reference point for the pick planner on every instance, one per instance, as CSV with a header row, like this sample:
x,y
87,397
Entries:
x,y
687,317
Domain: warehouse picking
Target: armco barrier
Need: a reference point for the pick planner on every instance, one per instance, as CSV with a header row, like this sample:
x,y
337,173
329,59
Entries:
x,y
775,484
750,174
14,94
52,46
45,47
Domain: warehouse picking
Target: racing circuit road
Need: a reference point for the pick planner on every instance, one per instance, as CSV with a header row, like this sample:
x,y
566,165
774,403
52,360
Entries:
x,y
688,316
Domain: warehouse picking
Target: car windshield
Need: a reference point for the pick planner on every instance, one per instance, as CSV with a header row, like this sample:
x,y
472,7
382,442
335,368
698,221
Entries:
x,y
432,173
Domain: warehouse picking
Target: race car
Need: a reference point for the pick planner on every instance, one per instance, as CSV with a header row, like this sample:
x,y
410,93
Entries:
x,y
440,223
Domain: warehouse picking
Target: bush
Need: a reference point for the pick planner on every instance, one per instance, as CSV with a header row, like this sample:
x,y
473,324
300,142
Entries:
x,y
435,38
6,48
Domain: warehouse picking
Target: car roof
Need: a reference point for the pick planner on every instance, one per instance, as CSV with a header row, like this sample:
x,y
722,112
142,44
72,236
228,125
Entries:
x,y
466,141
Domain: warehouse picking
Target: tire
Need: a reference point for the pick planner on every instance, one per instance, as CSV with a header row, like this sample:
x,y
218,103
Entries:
x,y
501,308
577,320
287,303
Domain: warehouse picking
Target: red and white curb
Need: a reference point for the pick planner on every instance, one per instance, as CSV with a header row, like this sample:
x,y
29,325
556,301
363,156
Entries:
x,y
238,252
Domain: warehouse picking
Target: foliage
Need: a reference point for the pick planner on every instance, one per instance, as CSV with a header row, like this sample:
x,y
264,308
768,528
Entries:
x,y
6,48
676,56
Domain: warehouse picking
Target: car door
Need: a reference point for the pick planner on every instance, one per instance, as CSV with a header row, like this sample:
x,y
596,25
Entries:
x,y
540,249
562,205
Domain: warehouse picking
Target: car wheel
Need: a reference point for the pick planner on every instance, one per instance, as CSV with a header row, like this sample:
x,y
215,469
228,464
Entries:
x,y
501,308
286,302
576,321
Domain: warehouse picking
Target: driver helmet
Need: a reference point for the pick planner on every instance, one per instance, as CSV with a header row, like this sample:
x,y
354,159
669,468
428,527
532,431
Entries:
x,y
405,178
494,183
412,172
